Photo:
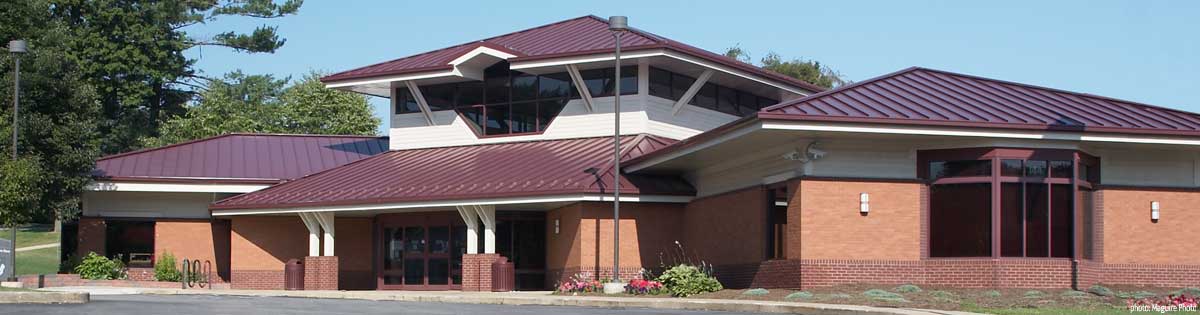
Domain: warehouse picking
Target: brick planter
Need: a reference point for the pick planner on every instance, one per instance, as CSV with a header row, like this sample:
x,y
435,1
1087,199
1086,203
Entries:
x,y
477,271
321,273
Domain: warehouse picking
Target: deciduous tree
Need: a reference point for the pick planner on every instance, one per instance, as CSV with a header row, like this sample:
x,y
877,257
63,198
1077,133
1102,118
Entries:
x,y
810,71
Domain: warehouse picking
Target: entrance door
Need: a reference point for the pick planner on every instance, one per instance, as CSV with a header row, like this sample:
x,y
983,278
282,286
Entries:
x,y
420,251
521,236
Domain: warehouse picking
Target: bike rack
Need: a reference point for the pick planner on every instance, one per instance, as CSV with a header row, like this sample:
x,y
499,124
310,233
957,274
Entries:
x,y
196,274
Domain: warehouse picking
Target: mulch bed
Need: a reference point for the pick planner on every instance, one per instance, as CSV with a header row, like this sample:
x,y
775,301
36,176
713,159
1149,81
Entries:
x,y
943,298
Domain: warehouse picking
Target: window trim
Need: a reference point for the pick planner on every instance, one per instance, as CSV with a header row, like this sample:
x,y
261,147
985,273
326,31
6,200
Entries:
x,y
996,155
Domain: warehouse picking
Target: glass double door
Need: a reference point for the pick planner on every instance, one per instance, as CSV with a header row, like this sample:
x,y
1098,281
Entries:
x,y
421,251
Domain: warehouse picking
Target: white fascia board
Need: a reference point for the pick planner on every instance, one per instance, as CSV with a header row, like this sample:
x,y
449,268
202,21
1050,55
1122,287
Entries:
x,y
389,79
481,50
174,187
456,203
741,131
966,132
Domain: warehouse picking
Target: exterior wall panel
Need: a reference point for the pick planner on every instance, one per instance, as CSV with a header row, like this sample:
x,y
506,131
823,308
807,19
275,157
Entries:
x,y
1130,237
148,204
831,226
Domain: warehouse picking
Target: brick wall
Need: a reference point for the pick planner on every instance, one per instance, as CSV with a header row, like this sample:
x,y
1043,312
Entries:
x,y
204,240
477,271
256,279
321,272
91,236
831,226
72,280
647,229
354,246
727,229
1130,237
259,248
563,250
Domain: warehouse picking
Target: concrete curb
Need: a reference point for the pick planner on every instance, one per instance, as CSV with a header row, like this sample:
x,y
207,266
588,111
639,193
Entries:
x,y
44,297
580,301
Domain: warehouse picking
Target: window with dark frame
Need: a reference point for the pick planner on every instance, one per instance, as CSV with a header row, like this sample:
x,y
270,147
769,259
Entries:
x,y
130,241
777,205
672,86
1035,197
506,102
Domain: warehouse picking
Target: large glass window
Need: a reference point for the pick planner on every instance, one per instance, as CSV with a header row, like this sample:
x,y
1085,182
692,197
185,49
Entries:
x,y
130,241
600,81
505,102
1035,200
673,86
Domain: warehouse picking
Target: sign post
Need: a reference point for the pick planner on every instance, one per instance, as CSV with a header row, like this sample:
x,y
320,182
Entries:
x,y
6,259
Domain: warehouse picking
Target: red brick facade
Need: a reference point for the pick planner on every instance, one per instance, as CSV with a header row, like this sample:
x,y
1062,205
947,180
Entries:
x,y
256,280
321,273
477,271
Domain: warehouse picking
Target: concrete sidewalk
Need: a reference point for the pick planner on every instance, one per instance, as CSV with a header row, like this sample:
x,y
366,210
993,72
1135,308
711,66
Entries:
x,y
37,247
541,298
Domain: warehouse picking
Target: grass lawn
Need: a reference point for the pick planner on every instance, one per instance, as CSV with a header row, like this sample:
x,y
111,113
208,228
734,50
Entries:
x,y
3,289
34,235
41,261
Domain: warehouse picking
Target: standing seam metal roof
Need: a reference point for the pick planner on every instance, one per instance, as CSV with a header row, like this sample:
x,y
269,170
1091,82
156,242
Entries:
x,y
579,36
262,158
544,167
920,96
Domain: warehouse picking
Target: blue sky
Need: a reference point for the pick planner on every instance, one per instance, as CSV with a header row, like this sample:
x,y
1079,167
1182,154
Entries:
x,y
1145,51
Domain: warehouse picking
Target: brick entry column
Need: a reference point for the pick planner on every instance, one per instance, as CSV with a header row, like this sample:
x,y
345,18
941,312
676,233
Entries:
x,y
477,271
321,273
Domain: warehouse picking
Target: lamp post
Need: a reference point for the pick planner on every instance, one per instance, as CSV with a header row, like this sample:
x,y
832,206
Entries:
x,y
618,25
15,48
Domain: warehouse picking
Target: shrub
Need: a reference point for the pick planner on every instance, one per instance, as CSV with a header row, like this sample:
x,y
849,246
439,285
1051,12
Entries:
x,y
881,294
1194,292
907,288
164,268
1136,295
643,286
941,294
992,293
758,291
579,283
1074,294
799,295
96,267
1032,294
839,296
687,280
1101,290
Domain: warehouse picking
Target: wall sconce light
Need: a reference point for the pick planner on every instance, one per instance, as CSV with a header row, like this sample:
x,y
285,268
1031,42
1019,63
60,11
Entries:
x,y
1154,207
864,203
555,226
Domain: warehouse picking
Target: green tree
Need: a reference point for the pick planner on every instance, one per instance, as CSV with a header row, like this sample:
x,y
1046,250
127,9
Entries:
x,y
132,52
261,104
310,108
19,185
810,71
57,120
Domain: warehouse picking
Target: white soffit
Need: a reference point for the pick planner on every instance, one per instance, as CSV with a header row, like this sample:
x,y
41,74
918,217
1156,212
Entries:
x,y
173,187
454,203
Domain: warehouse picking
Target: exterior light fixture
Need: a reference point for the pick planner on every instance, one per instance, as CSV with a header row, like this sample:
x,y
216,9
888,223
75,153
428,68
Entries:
x,y
1154,207
555,226
16,48
864,203
617,25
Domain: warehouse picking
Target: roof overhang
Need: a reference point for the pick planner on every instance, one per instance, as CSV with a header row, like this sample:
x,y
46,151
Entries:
x,y
767,132
375,207
198,186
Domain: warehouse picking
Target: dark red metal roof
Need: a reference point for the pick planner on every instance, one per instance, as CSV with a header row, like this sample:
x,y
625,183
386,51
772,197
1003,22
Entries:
x,y
579,36
920,96
263,158
515,169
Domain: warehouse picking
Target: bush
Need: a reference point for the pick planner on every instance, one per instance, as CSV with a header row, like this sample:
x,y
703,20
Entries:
x,y
96,267
881,294
642,286
1101,290
1136,295
1033,294
759,291
1074,294
799,295
687,280
907,288
942,294
992,293
580,283
164,268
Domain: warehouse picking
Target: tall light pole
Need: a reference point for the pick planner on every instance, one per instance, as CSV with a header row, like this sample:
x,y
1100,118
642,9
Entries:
x,y
15,48
618,25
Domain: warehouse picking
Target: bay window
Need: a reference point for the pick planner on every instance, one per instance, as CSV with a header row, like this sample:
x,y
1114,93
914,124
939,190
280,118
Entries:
x,y
987,202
